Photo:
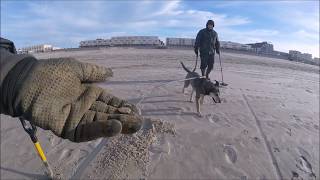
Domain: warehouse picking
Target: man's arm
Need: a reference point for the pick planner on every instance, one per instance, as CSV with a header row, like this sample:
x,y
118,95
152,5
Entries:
x,y
8,60
217,44
198,38
197,43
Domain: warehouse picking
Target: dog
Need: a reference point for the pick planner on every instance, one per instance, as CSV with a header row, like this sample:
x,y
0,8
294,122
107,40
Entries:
x,y
202,86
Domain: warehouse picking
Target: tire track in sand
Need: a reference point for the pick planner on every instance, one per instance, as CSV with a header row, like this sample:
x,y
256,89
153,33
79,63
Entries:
x,y
267,144
86,162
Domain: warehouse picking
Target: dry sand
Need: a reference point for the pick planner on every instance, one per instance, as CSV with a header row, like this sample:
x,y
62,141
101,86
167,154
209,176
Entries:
x,y
267,126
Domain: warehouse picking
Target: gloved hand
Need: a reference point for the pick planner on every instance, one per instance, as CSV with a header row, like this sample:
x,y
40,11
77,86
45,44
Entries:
x,y
196,51
54,94
218,51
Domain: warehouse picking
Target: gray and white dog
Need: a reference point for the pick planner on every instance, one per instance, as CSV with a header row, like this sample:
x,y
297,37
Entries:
x,y
202,86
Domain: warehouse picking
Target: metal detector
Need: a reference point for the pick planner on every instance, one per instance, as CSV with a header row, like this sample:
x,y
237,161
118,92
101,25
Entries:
x,y
32,133
221,83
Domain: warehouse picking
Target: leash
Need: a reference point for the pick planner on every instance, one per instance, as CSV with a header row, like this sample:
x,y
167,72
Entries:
x,y
32,133
143,96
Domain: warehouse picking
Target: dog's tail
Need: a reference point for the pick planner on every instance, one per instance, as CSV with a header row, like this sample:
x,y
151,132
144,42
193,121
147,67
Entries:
x,y
185,68
195,67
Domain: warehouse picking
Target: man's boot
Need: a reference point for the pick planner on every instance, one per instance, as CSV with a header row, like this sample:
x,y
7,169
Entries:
x,y
207,73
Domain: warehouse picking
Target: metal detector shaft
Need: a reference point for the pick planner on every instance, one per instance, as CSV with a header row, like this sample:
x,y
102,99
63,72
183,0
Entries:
x,y
223,83
32,133
221,67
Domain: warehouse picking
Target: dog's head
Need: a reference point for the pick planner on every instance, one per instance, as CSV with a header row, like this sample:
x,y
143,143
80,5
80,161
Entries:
x,y
213,91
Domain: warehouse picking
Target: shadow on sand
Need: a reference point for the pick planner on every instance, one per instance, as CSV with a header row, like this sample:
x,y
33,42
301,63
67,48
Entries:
x,y
29,175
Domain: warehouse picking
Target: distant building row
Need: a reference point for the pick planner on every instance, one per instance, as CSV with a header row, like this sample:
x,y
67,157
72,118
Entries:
x,y
37,49
262,48
124,41
302,57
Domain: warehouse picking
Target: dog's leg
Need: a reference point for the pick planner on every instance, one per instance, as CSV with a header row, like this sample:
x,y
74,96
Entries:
x,y
198,106
186,84
191,95
201,99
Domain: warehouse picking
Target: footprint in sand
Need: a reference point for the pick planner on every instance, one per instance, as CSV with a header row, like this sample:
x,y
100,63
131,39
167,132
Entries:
x,y
309,91
303,152
65,153
295,176
223,100
161,147
230,153
243,178
212,118
275,149
297,118
304,165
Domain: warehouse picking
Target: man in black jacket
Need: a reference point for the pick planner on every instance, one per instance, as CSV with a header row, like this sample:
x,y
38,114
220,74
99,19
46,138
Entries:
x,y
207,42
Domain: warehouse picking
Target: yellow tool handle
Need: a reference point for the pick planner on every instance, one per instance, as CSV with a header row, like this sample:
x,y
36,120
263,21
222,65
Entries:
x,y
40,151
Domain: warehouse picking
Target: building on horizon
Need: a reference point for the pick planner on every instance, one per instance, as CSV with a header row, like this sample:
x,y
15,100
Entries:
x,y
298,56
95,43
235,46
316,60
180,42
262,47
146,41
302,57
35,49
136,41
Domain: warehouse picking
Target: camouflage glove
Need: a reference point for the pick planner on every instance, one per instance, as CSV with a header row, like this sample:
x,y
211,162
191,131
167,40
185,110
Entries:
x,y
54,94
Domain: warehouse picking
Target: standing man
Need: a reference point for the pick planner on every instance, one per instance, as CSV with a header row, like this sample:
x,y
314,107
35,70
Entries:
x,y
207,42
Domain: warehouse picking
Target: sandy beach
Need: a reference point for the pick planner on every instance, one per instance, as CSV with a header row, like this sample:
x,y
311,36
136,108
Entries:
x,y
267,126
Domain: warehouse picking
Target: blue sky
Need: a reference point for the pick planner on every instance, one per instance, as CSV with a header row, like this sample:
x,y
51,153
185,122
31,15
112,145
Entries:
x,y
286,24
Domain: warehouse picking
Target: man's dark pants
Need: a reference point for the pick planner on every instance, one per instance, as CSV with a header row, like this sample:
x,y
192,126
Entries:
x,y
207,61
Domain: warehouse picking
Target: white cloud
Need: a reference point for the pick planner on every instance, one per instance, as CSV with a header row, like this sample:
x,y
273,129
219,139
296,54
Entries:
x,y
169,8
305,35
248,36
308,21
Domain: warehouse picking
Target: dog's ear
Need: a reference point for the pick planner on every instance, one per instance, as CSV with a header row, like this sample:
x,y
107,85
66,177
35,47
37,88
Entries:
x,y
217,83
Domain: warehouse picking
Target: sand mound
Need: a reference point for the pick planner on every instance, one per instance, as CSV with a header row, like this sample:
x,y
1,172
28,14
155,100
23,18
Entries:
x,y
125,156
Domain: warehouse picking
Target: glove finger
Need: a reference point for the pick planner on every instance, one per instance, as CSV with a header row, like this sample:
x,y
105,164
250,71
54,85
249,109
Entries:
x,y
97,129
96,124
93,73
109,99
132,107
80,107
130,123
126,108
105,108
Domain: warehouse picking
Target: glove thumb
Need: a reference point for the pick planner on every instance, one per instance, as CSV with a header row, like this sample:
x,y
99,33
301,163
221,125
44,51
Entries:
x,y
92,73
